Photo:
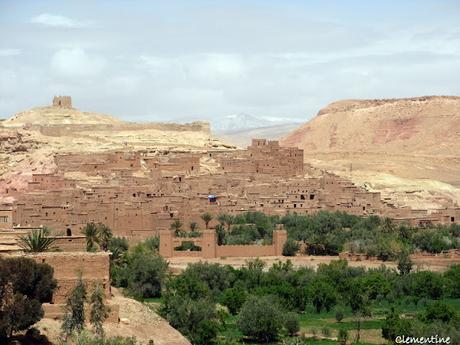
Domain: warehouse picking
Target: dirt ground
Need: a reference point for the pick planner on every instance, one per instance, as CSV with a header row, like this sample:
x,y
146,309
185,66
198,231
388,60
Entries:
x,y
136,320
436,263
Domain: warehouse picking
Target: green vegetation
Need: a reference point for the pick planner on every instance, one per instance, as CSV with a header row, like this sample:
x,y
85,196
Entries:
x,y
86,338
329,233
337,301
140,270
37,241
24,286
74,318
97,235
99,311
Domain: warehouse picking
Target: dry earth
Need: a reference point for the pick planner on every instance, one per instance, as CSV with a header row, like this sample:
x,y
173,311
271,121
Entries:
x,y
432,263
137,320
408,149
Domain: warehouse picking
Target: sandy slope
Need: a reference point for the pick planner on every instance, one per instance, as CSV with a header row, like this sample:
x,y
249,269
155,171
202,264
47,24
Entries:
x,y
406,148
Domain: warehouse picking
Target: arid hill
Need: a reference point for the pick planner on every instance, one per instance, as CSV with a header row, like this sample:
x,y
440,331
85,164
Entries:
x,y
407,148
29,140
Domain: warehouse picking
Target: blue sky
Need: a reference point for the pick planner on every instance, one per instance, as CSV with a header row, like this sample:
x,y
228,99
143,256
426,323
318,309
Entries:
x,y
182,60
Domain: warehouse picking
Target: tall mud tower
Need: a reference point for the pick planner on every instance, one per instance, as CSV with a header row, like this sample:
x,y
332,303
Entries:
x,y
62,101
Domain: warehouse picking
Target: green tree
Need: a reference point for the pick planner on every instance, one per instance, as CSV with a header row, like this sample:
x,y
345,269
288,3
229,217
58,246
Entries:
x,y
394,326
37,241
193,226
117,246
145,274
290,248
323,295
339,314
104,234
176,225
74,318
291,323
452,279
24,286
220,231
360,305
260,318
234,299
404,263
438,311
99,311
207,217
91,233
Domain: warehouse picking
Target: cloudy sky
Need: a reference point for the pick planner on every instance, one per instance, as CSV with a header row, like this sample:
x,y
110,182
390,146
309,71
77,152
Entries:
x,y
193,59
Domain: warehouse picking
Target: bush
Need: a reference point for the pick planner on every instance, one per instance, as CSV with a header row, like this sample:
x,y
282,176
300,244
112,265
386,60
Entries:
x,y
339,314
260,318
196,319
24,286
233,299
342,336
323,295
290,248
145,274
291,323
452,279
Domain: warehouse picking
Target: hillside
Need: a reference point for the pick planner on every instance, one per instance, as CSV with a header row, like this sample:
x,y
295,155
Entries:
x,y
29,139
48,116
406,148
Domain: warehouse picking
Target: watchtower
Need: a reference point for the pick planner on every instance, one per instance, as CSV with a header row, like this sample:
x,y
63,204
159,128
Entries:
x,y
62,101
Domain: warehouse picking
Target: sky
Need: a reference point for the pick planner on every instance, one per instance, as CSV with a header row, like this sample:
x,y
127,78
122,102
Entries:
x,y
195,59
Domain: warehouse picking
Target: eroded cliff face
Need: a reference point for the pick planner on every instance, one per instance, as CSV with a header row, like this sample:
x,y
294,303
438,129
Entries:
x,y
406,148
30,139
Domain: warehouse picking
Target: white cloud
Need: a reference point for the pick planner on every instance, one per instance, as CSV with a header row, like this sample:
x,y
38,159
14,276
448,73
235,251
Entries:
x,y
75,62
57,21
9,52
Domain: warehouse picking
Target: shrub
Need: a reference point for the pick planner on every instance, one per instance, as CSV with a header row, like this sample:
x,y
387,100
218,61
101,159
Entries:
x,y
196,319
291,323
404,263
339,314
37,241
260,318
342,336
24,286
233,299
323,295
452,278
290,248
145,274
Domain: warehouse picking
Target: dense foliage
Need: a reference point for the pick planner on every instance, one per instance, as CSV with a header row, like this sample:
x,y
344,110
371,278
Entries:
x,y
267,301
24,286
140,270
329,233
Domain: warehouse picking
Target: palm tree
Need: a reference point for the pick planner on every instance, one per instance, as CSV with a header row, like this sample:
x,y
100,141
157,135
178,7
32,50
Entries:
x,y
229,221
104,234
222,218
37,241
207,217
91,233
176,226
193,226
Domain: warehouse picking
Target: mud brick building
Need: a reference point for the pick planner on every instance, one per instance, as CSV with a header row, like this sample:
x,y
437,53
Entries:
x,y
138,194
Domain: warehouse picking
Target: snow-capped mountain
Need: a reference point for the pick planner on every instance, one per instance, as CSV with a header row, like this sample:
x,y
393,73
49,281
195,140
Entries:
x,y
238,122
